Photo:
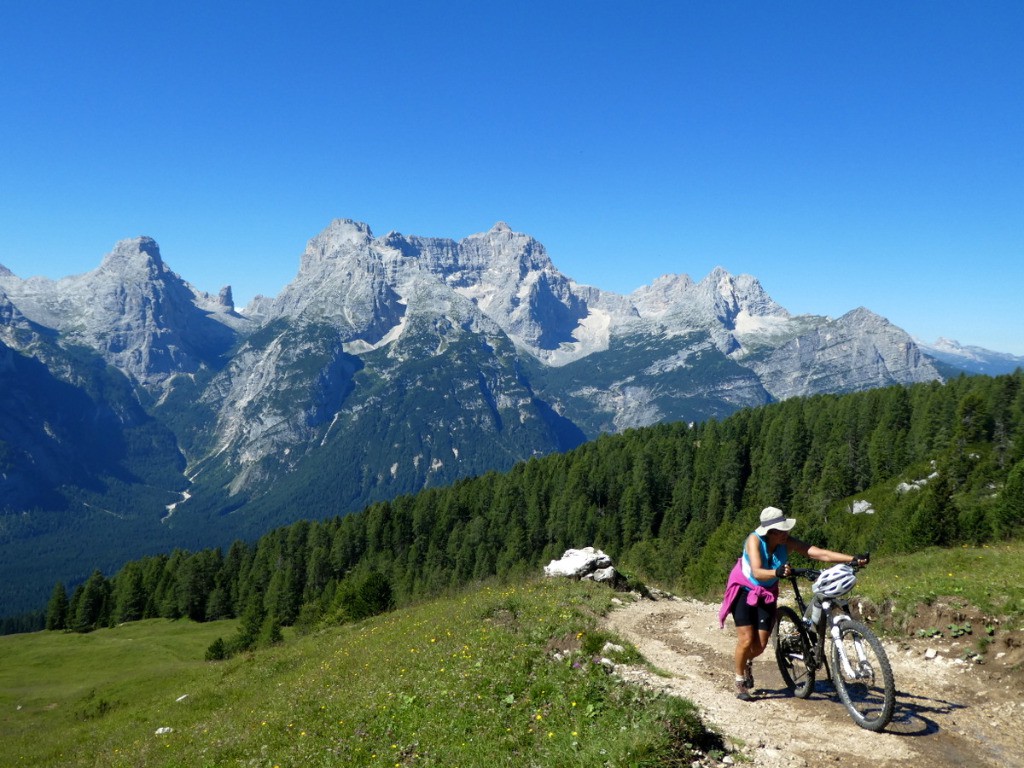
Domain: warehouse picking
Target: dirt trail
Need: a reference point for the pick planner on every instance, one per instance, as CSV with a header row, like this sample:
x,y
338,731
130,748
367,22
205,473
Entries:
x,y
948,712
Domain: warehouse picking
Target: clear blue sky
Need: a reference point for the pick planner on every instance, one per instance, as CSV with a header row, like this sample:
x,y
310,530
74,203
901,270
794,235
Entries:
x,y
847,154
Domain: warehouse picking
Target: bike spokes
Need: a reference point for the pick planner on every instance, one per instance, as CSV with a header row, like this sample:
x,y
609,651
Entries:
x,y
793,653
862,676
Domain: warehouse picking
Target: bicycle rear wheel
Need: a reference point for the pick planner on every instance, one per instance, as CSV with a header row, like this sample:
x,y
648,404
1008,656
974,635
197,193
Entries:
x,y
865,682
793,651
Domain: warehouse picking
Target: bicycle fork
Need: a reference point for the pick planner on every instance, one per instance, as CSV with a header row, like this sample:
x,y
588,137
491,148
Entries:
x,y
836,632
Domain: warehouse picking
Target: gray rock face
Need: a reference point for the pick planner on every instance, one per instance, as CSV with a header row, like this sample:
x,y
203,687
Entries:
x,y
140,316
368,320
360,284
388,365
858,351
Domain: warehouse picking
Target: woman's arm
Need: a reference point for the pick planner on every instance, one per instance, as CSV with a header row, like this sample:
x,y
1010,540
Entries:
x,y
760,573
828,556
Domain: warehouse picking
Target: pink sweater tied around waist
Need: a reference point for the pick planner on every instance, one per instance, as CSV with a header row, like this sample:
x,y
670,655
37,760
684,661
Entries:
x,y
736,582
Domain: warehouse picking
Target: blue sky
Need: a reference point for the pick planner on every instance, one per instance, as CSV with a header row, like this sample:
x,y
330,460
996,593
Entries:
x,y
847,154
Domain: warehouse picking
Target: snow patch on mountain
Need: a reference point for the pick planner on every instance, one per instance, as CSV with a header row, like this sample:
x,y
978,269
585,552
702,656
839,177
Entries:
x,y
361,347
593,334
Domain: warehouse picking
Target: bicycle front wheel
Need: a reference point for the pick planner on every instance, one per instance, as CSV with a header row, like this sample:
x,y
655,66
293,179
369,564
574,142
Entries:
x,y
863,676
793,652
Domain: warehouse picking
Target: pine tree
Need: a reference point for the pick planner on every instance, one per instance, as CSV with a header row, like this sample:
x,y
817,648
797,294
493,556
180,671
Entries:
x,y
57,608
93,608
217,651
129,594
248,634
218,605
1009,510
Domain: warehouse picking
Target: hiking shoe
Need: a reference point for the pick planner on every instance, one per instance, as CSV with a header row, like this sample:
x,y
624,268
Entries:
x,y
742,692
748,677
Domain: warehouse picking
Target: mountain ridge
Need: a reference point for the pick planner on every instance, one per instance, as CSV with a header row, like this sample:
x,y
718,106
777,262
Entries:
x,y
394,363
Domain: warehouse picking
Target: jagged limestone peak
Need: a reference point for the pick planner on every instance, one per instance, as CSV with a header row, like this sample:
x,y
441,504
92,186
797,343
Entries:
x,y
134,254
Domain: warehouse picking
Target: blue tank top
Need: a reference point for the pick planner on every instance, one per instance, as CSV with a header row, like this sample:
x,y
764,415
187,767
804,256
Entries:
x,y
778,557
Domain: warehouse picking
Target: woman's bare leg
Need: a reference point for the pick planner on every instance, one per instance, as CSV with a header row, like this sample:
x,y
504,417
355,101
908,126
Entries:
x,y
748,645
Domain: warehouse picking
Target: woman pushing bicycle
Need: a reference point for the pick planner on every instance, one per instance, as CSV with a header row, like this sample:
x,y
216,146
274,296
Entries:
x,y
752,590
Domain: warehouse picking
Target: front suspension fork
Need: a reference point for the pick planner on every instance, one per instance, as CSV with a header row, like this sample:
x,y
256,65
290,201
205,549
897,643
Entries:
x,y
844,659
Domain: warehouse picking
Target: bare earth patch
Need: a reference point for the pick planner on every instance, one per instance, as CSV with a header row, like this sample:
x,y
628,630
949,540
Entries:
x,y
948,712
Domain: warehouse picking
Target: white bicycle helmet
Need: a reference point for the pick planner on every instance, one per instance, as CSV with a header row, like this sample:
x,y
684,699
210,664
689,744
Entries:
x,y
835,581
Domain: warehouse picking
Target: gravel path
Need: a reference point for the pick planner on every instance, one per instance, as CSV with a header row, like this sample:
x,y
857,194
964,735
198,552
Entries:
x,y
948,712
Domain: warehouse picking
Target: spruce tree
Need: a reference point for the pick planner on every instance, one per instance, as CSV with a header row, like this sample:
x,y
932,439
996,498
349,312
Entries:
x,y
93,609
57,608
129,594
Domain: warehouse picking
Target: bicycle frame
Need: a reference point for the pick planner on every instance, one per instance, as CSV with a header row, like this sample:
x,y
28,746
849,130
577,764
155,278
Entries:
x,y
857,663
832,611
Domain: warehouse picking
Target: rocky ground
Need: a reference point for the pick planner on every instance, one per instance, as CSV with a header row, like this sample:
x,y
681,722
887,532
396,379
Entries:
x,y
949,711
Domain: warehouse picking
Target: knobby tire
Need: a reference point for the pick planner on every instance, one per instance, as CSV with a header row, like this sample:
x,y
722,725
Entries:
x,y
869,696
793,651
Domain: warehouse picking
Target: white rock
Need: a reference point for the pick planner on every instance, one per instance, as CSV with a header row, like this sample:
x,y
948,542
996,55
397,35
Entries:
x,y
577,563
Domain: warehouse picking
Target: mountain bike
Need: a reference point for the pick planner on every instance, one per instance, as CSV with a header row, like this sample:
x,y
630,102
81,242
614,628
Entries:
x,y
856,661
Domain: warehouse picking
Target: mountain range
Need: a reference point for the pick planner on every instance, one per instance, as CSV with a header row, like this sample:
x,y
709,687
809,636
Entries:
x,y
139,413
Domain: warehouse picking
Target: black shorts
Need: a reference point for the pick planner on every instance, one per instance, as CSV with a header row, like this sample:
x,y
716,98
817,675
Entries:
x,y
761,615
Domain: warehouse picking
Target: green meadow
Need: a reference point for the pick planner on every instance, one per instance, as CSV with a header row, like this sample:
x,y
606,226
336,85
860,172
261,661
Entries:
x,y
469,680
498,675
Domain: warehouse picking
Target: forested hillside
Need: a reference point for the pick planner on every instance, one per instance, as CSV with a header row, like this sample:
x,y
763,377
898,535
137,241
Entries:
x,y
930,464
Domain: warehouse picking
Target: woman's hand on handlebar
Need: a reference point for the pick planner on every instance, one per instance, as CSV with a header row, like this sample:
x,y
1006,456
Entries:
x,y
783,571
859,561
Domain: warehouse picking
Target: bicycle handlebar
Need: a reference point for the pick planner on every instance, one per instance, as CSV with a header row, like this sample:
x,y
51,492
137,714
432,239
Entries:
x,y
812,573
808,573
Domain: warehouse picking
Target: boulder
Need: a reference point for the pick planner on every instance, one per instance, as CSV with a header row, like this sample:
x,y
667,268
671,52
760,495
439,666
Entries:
x,y
604,575
579,563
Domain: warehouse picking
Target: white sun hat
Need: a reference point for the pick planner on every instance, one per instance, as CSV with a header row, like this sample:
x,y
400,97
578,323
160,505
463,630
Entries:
x,y
773,518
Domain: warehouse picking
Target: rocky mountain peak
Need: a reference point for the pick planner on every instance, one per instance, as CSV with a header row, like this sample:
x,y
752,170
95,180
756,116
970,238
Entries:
x,y
947,344
340,238
225,299
502,250
134,311
727,297
138,255
863,315
661,296
971,358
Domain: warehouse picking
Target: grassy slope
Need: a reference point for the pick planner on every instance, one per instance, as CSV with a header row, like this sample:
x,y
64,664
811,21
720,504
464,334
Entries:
x,y
987,578
60,693
464,681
